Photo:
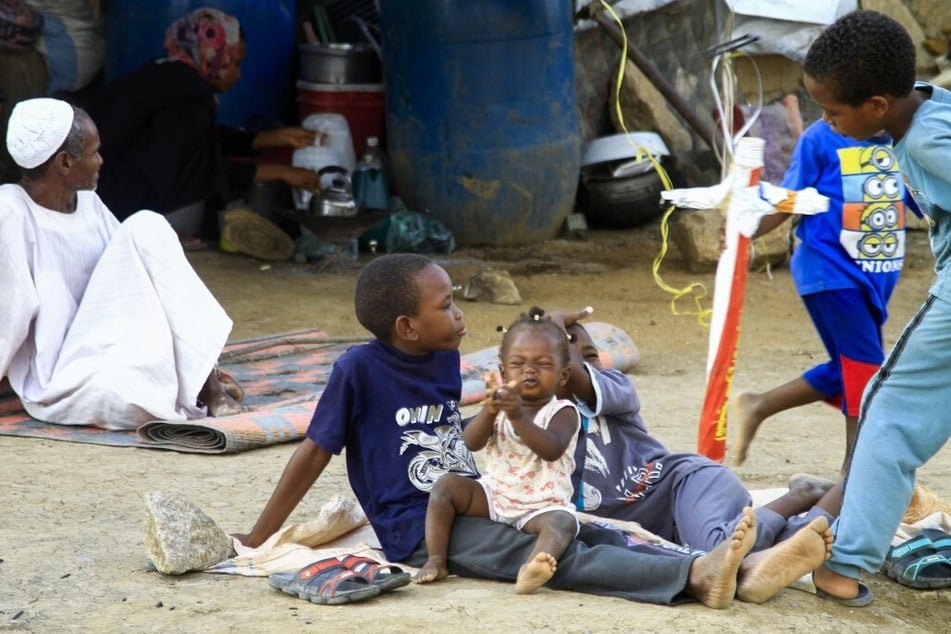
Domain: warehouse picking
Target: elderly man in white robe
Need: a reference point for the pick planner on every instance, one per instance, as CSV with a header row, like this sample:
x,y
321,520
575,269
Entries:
x,y
101,323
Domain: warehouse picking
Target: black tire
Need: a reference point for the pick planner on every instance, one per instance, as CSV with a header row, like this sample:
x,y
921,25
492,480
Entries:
x,y
620,203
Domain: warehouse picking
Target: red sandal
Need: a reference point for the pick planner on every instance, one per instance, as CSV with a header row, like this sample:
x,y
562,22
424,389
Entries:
x,y
325,582
384,576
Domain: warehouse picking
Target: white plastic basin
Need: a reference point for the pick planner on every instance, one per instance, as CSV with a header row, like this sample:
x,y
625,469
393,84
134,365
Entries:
x,y
621,146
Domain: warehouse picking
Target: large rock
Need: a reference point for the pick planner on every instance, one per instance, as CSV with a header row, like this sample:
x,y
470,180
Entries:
x,y
773,249
696,233
934,16
492,285
179,537
898,11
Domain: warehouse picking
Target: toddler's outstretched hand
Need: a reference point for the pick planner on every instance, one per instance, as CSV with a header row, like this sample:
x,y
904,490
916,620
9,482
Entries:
x,y
507,399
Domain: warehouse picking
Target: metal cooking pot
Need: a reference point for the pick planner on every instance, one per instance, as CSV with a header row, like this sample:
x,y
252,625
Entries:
x,y
270,198
336,199
340,64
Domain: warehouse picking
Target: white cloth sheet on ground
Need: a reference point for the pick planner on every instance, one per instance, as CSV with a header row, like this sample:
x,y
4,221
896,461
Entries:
x,y
104,324
341,528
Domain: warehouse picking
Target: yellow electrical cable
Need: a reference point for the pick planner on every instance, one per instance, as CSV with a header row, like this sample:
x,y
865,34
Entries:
x,y
703,314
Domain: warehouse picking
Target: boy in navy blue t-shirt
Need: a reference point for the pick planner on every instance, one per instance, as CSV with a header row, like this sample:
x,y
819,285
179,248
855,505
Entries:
x,y
393,405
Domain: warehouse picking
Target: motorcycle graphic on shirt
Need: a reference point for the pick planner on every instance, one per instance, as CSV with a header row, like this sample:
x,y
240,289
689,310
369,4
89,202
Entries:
x,y
439,449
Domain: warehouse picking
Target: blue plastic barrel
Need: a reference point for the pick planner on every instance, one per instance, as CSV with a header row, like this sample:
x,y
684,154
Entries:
x,y
482,129
135,33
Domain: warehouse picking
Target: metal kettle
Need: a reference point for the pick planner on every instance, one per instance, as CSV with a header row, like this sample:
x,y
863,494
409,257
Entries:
x,y
336,199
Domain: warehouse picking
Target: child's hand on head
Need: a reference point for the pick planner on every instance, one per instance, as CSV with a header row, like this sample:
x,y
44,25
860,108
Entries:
x,y
568,319
565,319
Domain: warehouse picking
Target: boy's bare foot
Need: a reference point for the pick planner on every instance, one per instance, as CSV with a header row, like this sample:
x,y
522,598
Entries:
x,y
834,584
809,485
747,422
712,577
535,573
766,572
434,569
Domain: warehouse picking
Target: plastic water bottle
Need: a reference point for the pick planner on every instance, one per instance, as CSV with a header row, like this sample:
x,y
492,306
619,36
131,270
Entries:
x,y
371,187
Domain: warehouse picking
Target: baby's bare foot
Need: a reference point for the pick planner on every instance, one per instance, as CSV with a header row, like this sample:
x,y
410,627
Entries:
x,y
746,422
535,573
712,577
766,572
434,569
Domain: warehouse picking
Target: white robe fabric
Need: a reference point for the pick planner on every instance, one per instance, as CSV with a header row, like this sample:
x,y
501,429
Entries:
x,y
102,323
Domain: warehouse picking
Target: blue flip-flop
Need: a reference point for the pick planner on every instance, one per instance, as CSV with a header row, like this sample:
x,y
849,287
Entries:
x,y
863,598
940,539
916,563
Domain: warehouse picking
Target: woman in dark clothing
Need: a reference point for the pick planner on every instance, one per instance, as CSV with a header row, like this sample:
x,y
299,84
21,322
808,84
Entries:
x,y
161,145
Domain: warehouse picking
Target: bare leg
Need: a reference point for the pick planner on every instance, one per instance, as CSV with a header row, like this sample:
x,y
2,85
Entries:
x,y
453,495
766,572
797,500
217,397
555,531
712,577
831,502
851,424
752,408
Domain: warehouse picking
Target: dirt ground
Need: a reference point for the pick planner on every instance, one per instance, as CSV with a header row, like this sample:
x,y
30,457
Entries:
x,y
71,516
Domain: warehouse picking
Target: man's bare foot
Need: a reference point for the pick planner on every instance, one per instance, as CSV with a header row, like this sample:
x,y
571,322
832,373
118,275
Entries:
x,y
746,423
217,399
223,405
712,577
766,572
434,569
810,485
834,584
535,573
232,387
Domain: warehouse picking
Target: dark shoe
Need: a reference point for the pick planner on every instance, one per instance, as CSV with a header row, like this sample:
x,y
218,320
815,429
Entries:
x,y
916,563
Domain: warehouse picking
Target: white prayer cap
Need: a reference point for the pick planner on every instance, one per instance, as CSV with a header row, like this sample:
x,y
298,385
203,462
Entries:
x,y
37,128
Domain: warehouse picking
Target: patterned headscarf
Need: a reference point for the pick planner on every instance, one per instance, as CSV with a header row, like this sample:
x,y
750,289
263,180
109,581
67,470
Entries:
x,y
206,39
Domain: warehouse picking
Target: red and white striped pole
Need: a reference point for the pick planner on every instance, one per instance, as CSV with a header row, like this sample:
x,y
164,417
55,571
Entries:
x,y
729,287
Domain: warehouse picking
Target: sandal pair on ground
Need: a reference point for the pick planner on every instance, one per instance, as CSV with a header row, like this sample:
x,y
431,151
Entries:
x,y
334,581
924,561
